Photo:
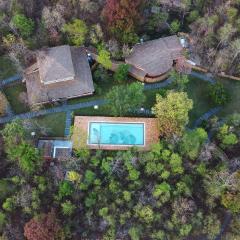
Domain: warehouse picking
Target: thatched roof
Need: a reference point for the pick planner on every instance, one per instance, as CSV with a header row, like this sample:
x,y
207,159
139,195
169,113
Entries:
x,y
80,85
155,57
55,64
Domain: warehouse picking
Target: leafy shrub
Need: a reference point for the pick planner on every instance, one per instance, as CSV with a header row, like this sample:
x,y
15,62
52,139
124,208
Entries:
x,y
2,220
225,137
175,26
23,24
76,31
65,189
9,204
121,74
192,142
68,208
218,94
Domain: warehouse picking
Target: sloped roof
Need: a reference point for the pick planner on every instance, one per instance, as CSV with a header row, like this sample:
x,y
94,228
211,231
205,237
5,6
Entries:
x,y
155,57
81,85
55,64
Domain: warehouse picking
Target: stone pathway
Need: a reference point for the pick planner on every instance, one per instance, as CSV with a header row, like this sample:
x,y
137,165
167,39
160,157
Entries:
x,y
7,81
68,123
227,221
206,116
62,108
151,86
69,108
203,76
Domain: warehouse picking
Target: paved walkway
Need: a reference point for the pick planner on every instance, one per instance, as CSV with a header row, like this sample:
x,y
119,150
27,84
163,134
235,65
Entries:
x,y
151,86
227,221
206,116
7,81
203,76
69,108
68,123
62,108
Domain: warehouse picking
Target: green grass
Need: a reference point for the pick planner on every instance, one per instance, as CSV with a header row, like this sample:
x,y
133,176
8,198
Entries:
x,y
198,91
54,124
233,88
12,93
7,68
101,89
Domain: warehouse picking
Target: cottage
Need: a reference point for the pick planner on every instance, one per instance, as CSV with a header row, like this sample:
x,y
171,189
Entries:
x,y
155,58
55,149
59,73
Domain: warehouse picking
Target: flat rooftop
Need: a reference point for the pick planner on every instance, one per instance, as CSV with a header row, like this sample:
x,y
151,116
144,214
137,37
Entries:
x,y
55,149
115,133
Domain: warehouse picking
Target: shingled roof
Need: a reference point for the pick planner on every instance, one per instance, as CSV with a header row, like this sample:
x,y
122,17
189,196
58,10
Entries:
x,y
59,75
55,64
155,57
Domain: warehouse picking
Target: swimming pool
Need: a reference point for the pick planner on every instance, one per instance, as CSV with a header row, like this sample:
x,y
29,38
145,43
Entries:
x,y
110,133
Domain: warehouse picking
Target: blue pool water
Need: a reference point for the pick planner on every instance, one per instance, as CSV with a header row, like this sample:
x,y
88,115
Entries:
x,y
116,133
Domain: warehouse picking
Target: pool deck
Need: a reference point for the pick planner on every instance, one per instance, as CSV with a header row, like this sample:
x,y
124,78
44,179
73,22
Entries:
x,y
80,132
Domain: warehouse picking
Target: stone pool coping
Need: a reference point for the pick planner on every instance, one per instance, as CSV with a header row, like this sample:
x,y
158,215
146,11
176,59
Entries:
x,y
80,132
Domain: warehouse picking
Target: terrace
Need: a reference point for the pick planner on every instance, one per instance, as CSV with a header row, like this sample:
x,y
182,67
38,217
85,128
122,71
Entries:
x,y
114,133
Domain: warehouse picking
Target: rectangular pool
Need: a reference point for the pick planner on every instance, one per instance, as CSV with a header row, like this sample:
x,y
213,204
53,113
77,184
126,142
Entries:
x,y
122,134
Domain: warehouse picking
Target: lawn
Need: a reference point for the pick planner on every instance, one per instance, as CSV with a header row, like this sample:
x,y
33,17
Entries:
x,y
53,124
7,69
233,88
197,90
12,93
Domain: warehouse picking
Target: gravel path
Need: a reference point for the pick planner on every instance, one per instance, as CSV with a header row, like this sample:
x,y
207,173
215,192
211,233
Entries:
x,y
7,81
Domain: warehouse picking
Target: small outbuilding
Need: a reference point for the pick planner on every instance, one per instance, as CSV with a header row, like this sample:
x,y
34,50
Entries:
x,y
156,57
55,149
59,73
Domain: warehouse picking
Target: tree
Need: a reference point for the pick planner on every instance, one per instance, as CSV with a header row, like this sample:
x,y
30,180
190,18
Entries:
x,y
192,141
43,227
28,158
175,26
172,112
76,31
13,135
180,79
156,21
122,72
9,204
104,58
231,200
211,226
121,17
68,208
23,24
125,98
226,137
2,220
65,189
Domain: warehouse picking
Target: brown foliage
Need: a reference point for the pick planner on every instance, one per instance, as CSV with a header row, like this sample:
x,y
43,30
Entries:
x,y
44,227
122,14
3,104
